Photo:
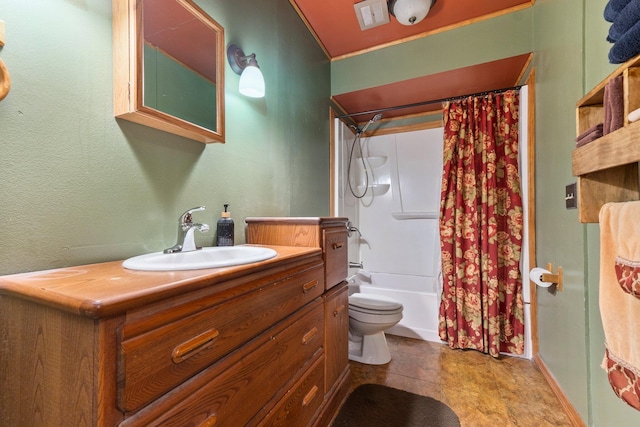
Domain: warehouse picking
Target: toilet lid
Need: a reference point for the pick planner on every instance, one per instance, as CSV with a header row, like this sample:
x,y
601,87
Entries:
x,y
373,302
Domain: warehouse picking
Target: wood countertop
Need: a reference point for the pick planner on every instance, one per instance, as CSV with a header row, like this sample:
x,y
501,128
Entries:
x,y
326,220
108,289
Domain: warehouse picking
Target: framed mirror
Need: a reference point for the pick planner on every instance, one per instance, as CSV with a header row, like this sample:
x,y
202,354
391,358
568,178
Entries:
x,y
168,58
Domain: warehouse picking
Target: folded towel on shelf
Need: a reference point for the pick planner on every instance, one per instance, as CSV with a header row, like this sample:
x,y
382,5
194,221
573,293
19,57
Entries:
x,y
613,8
627,46
614,104
593,129
634,116
589,135
619,295
624,21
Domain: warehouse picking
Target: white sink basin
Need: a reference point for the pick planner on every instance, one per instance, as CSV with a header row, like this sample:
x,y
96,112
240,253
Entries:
x,y
210,257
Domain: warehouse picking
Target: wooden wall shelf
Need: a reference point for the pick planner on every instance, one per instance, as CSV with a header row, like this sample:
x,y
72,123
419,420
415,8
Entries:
x,y
607,168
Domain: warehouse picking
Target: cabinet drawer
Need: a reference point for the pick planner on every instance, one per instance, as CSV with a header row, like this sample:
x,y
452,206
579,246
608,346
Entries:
x,y
231,395
335,256
301,403
154,362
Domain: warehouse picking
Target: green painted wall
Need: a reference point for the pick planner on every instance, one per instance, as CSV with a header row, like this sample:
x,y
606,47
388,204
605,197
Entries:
x,y
562,322
77,186
570,57
468,45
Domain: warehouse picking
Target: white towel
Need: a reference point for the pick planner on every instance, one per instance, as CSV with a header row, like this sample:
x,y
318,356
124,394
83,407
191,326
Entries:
x,y
634,116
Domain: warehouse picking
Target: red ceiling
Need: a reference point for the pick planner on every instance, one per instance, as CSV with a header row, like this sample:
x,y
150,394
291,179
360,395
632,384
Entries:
x,y
335,26
493,75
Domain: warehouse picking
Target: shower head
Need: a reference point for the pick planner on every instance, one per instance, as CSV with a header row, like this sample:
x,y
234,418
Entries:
x,y
373,120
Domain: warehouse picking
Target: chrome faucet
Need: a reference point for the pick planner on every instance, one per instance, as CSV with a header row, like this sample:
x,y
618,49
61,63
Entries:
x,y
186,228
352,229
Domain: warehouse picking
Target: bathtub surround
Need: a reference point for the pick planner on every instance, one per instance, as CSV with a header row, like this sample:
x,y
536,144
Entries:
x,y
397,218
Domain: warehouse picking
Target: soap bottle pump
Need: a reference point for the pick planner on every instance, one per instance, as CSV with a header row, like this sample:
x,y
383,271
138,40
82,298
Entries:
x,y
225,229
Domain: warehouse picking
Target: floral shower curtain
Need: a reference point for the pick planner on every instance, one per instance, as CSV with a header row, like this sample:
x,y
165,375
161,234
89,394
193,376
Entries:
x,y
481,220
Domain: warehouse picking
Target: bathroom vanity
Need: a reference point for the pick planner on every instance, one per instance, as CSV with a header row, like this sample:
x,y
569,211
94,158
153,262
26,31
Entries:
x,y
100,345
329,234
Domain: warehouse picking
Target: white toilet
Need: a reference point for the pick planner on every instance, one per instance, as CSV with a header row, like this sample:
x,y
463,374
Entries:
x,y
369,316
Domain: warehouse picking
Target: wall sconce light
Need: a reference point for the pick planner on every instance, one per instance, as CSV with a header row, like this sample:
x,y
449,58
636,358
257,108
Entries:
x,y
251,79
409,12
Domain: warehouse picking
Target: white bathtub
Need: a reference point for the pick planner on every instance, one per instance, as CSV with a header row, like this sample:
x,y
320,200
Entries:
x,y
419,296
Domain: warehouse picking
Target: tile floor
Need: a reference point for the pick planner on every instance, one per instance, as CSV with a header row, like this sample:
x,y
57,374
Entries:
x,y
482,391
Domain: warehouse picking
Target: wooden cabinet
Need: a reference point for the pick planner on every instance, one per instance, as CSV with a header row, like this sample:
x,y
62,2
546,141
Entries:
x,y
301,402
100,345
334,249
607,168
329,234
155,361
336,312
234,391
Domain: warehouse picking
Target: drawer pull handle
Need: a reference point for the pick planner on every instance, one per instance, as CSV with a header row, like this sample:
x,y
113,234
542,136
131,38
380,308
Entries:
x,y
309,285
194,346
209,422
337,245
309,397
338,310
309,335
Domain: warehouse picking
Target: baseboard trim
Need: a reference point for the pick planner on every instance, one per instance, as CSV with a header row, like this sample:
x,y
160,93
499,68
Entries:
x,y
569,409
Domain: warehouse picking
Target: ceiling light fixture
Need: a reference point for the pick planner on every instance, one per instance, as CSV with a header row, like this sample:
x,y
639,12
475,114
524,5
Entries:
x,y
251,79
409,12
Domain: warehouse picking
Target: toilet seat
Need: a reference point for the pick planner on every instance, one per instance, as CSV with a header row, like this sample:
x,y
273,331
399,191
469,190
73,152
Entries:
x,y
371,303
355,311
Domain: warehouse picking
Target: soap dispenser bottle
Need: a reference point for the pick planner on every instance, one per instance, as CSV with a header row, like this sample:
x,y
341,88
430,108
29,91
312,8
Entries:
x,y
225,229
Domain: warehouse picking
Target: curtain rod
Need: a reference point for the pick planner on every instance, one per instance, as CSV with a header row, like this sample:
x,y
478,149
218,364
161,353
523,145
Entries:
x,y
419,104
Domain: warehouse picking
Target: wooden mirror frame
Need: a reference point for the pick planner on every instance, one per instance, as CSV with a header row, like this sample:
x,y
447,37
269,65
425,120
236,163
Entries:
x,y
5,81
128,42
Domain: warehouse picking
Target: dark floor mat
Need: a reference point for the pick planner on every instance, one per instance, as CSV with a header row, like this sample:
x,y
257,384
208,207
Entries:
x,y
374,405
